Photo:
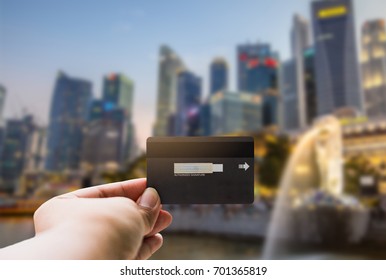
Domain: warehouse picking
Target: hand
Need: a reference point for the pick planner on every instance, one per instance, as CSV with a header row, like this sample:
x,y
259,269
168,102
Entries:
x,y
113,221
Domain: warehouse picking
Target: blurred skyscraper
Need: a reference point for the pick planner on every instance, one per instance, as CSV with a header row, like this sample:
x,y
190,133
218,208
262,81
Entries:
x,y
289,95
187,117
105,137
310,84
2,102
233,112
373,58
36,150
258,75
205,121
336,64
169,65
295,96
257,68
300,40
13,157
118,93
218,75
69,110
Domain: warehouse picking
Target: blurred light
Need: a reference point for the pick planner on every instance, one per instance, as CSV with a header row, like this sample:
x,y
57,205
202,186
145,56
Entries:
x,y
333,12
252,63
270,62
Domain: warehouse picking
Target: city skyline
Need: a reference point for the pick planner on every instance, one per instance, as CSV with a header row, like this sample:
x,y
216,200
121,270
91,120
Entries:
x,y
30,43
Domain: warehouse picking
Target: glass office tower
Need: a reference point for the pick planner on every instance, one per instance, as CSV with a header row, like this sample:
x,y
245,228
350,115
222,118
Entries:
x,y
69,110
218,75
336,64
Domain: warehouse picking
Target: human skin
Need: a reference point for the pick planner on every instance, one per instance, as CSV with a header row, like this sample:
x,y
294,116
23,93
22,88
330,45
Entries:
x,y
114,221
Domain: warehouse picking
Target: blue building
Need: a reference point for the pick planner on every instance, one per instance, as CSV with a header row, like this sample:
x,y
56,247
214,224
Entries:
x,y
205,119
257,68
235,112
258,75
336,64
69,111
18,134
310,85
289,95
105,137
187,117
218,75
118,92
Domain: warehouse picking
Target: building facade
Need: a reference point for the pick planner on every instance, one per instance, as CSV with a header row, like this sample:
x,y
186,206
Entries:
x,y
169,65
2,102
300,40
118,93
105,138
187,117
218,75
310,85
17,137
289,96
373,59
258,74
235,112
336,64
69,111
205,121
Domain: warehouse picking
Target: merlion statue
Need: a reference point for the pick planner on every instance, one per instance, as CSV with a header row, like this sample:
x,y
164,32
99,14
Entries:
x,y
328,151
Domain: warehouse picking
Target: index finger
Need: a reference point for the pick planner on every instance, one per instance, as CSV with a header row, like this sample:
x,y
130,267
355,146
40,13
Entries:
x,y
132,189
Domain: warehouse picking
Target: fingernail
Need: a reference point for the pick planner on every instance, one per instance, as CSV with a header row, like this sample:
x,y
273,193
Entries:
x,y
149,198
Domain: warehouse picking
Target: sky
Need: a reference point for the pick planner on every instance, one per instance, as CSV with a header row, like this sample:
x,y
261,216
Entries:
x,y
89,39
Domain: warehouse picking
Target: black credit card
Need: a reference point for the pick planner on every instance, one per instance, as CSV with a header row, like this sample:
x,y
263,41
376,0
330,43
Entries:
x,y
201,170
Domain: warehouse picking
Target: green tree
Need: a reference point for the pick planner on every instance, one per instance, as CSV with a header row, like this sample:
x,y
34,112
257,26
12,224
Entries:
x,y
273,163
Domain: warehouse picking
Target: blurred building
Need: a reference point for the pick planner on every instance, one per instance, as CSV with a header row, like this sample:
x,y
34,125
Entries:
x,y
36,150
169,65
233,112
300,40
69,110
373,59
205,119
289,96
258,75
336,65
18,133
187,117
310,85
365,138
118,92
105,137
218,75
257,68
2,102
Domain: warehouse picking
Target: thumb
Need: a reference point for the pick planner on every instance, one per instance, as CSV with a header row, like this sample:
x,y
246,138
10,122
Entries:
x,y
149,207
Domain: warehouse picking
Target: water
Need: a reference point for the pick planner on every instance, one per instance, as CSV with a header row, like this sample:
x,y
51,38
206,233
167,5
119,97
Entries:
x,y
207,247
203,247
15,229
176,246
